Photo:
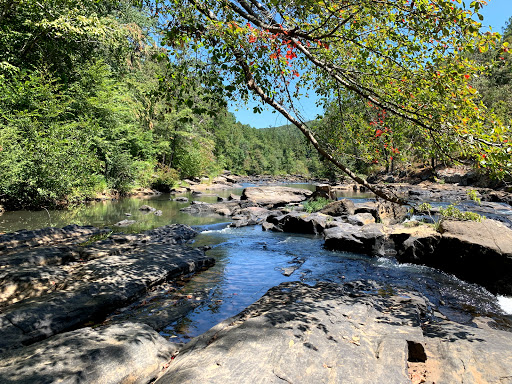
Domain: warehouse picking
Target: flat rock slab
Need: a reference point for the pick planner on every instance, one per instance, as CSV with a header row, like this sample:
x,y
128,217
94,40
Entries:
x,y
88,291
12,242
121,353
360,332
275,195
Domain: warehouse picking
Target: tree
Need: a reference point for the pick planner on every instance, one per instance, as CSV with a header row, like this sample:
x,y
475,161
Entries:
x,y
406,57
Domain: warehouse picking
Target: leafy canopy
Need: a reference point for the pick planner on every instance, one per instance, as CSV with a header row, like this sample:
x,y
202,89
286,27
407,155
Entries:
x,y
407,57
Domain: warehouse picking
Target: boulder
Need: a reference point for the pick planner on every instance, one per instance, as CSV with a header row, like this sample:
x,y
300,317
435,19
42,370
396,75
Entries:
x,y
349,333
361,219
181,199
390,213
232,196
275,195
299,222
120,353
249,216
325,191
369,239
147,208
343,207
480,252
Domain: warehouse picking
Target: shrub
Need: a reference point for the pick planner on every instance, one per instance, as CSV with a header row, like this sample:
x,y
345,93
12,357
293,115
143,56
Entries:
x,y
315,205
166,178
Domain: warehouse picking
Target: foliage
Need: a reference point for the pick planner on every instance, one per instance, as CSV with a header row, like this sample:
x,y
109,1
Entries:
x,y
166,178
452,212
406,58
316,204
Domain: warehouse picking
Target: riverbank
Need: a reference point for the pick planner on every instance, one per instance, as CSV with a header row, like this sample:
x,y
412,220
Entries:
x,y
116,269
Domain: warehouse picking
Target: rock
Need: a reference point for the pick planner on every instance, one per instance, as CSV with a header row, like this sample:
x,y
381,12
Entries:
x,y
390,213
325,191
266,226
361,219
249,216
158,213
461,176
370,239
299,222
181,199
343,207
179,190
146,192
367,207
476,252
147,208
275,195
342,334
128,214
224,208
125,223
113,272
23,239
121,353
232,196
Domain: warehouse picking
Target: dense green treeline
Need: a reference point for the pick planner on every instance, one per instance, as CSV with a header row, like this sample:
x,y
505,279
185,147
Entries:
x,y
86,106
89,104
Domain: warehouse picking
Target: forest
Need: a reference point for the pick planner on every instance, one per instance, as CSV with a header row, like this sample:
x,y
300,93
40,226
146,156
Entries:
x,y
104,96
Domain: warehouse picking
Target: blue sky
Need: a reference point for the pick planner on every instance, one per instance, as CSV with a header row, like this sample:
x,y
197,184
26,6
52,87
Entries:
x,y
496,14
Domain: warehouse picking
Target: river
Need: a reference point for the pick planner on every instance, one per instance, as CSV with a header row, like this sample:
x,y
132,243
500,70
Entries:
x,y
249,261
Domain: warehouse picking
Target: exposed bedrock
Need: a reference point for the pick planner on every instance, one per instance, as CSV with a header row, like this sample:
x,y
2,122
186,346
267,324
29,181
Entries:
x,y
359,332
42,300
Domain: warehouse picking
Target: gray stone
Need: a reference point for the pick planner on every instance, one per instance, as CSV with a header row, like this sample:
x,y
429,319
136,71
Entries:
x,y
342,334
147,208
361,219
121,353
275,195
390,213
343,207
125,223
181,199
299,222
370,239
121,268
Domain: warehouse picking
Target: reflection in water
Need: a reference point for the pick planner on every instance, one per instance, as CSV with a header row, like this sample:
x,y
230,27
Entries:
x,y
107,213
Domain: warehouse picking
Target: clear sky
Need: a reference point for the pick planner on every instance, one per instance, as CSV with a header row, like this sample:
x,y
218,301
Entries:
x,y
496,14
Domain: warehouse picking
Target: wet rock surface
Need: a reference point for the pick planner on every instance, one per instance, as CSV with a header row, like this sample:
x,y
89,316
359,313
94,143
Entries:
x,y
40,301
359,332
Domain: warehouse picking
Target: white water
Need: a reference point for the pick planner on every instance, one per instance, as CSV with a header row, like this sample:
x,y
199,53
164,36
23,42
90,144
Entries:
x,y
505,304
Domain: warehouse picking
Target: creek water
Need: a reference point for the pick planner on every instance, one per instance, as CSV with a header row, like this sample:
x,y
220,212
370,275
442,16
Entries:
x,y
249,261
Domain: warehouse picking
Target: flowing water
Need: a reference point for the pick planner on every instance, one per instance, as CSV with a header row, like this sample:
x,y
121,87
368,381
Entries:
x,y
249,261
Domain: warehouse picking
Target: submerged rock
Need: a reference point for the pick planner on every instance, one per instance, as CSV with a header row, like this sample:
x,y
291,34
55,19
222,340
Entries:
x,y
147,208
125,223
360,332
